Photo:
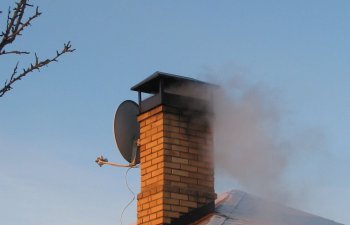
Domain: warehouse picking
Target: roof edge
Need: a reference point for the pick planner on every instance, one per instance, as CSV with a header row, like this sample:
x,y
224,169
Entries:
x,y
159,74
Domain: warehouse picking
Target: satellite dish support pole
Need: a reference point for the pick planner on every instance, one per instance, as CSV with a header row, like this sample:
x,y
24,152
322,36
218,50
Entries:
x,y
140,99
103,161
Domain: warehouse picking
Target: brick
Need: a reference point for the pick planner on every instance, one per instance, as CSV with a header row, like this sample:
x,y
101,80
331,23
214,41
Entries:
x,y
190,204
152,131
156,110
153,203
167,207
158,122
143,116
195,145
143,213
152,180
184,143
160,116
145,165
145,219
151,168
153,216
199,164
146,176
193,150
151,156
206,172
145,129
159,201
171,201
167,158
169,165
179,172
174,123
146,152
179,148
172,153
175,135
179,160
179,184
203,200
160,128
145,206
189,168
167,220
179,196
188,155
158,147
162,220
157,196
200,176
173,177
157,172
151,144
143,200
157,135
169,140
161,153
167,170
169,116
180,209
150,120
189,180
172,214
205,183
171,129
157,159
144,141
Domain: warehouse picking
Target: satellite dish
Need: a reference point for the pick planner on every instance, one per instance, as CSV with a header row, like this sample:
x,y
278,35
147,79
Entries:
x,y
127,131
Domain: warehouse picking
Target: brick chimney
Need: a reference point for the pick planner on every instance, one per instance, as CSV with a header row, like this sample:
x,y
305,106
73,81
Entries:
x,y
177,173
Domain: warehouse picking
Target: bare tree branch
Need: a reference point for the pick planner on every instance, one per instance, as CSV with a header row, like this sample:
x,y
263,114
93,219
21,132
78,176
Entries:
x,y
37,65
15,25
14,52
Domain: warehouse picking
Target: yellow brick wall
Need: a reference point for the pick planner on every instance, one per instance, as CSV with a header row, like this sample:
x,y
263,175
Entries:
x,y
177,172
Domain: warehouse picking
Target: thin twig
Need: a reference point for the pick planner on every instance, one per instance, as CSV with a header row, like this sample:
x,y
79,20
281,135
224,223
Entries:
x,y
14,52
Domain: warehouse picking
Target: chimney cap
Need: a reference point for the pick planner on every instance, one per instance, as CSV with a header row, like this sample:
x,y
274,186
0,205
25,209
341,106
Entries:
x,y
150,85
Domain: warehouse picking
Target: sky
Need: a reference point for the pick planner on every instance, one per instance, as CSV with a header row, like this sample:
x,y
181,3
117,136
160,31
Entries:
x,y
57,121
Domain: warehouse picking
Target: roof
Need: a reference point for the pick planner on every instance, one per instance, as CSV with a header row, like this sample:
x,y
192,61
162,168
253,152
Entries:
x,y
151,83
240,208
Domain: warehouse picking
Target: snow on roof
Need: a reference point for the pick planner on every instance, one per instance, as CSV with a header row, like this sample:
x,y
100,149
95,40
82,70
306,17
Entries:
x,y
240,208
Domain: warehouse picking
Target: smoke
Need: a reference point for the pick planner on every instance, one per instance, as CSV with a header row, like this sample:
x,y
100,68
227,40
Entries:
x,y
250,145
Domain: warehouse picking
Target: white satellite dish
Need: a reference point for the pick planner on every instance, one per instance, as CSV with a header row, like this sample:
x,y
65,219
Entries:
x,y
126,133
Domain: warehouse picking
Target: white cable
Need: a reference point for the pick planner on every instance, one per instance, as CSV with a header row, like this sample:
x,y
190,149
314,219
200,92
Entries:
x,y
127,185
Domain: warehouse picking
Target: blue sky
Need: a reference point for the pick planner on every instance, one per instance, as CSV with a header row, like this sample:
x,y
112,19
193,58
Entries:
x,y
55,123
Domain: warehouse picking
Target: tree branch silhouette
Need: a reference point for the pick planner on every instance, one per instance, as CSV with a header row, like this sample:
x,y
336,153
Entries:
x,y
16,23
